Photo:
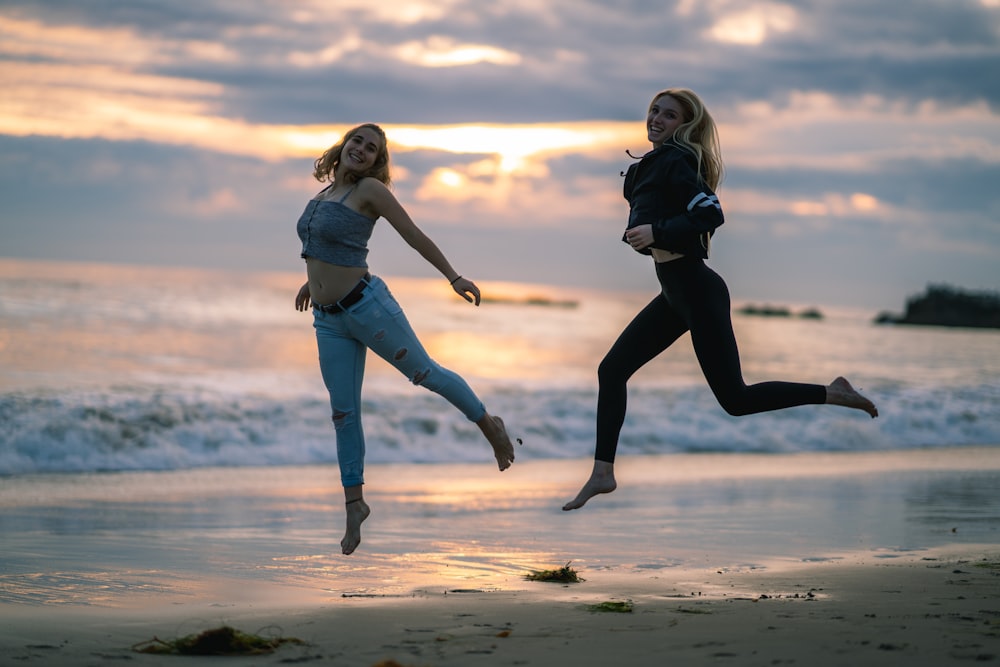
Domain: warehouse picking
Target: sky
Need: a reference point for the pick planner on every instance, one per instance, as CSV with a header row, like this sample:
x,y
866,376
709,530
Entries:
x,y
861,138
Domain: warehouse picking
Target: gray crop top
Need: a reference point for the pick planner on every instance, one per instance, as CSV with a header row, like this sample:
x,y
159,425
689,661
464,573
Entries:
x,y
333,233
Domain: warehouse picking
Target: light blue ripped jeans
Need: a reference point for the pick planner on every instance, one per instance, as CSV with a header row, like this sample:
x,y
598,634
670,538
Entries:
x,y
377,322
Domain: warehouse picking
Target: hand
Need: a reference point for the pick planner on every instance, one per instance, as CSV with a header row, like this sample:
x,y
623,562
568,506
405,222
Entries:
x,y
464,287
302,298
640,237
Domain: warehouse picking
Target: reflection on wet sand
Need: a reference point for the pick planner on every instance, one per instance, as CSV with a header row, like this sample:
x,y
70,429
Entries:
x,y
111,539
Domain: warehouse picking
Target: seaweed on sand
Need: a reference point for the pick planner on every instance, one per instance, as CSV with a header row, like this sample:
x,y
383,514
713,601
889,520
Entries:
x,y
562,575
611,606
218,641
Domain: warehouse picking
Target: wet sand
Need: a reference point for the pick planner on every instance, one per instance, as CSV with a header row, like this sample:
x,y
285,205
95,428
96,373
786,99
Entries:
x,y
819,559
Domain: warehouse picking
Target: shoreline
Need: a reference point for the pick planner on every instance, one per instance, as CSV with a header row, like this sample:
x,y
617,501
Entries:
x,y
644,468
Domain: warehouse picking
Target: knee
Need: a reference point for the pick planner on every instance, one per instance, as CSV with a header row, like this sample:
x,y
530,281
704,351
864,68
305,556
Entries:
x,y
733,404
609,372
734,409
418,375
342,418
420,378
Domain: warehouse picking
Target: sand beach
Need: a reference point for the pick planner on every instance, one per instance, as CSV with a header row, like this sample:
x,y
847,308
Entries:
x,y
805,559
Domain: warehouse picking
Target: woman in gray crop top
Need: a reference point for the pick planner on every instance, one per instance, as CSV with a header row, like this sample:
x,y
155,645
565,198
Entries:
x,y
353,310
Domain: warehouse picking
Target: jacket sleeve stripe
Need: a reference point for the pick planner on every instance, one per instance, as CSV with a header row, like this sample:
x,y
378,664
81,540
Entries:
x,y
703,200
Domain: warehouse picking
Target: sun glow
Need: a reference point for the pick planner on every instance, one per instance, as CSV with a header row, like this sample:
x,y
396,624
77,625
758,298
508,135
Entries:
x,y
448,178
124,106
67,86
514,145
444,52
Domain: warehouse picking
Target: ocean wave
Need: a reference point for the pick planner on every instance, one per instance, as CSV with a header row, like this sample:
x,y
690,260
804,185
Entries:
x,y
156,428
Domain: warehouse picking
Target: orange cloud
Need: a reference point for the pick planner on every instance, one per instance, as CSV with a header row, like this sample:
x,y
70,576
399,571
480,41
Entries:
x,y
99,101
753,25
89,45
833,204
440,51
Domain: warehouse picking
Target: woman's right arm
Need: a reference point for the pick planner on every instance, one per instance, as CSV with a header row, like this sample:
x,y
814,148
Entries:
x,y
302,298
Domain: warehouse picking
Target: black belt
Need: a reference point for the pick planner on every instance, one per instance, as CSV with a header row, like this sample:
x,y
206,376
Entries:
x,y
352,298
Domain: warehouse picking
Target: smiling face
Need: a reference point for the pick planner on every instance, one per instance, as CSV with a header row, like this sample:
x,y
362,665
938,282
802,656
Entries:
x,y
664,117
361,151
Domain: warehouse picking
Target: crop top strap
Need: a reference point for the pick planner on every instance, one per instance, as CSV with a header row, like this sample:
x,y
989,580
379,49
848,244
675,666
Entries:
x,y
348,194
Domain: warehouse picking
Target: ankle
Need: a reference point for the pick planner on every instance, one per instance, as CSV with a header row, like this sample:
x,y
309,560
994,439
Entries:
x,y
603,468
354,494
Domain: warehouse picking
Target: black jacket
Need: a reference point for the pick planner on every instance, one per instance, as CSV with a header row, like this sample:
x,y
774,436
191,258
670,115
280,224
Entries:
x,y
664,190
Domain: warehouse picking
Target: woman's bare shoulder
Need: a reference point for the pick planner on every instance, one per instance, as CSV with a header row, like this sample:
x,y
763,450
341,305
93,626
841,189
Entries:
x,y
370,185
375,197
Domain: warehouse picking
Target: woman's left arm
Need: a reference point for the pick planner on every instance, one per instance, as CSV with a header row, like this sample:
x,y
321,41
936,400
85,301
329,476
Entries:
x,y
700,213
387,206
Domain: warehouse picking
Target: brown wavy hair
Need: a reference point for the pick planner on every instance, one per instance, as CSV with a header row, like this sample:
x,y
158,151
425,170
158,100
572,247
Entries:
x,y
325,166
697,134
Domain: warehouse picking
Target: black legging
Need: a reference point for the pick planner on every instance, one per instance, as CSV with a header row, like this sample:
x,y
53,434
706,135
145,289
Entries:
x,y
693,298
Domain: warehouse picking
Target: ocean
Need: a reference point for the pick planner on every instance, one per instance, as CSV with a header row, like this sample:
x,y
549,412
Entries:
x,y
125,368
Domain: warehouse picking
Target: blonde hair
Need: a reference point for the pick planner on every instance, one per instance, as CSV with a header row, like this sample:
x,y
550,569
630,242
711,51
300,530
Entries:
x,y
697,134
325,166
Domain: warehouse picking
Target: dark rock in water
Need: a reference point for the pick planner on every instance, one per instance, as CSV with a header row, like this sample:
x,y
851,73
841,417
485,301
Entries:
x,y
947,306
768,310
765,310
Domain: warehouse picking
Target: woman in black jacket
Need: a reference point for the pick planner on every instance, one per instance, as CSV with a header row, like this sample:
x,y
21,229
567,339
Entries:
x,y
673,213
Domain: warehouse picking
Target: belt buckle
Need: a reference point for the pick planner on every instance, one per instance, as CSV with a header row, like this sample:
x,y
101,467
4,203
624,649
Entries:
x,y
346,302
355,294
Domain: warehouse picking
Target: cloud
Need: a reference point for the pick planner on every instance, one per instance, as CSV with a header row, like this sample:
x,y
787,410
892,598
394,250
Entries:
x,y
825,205
823,131
438,51
842,122
111,45
753,25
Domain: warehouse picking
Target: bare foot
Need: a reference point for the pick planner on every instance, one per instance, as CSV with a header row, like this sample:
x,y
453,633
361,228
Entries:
x,y
357,512
494,430
602,480
840,392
